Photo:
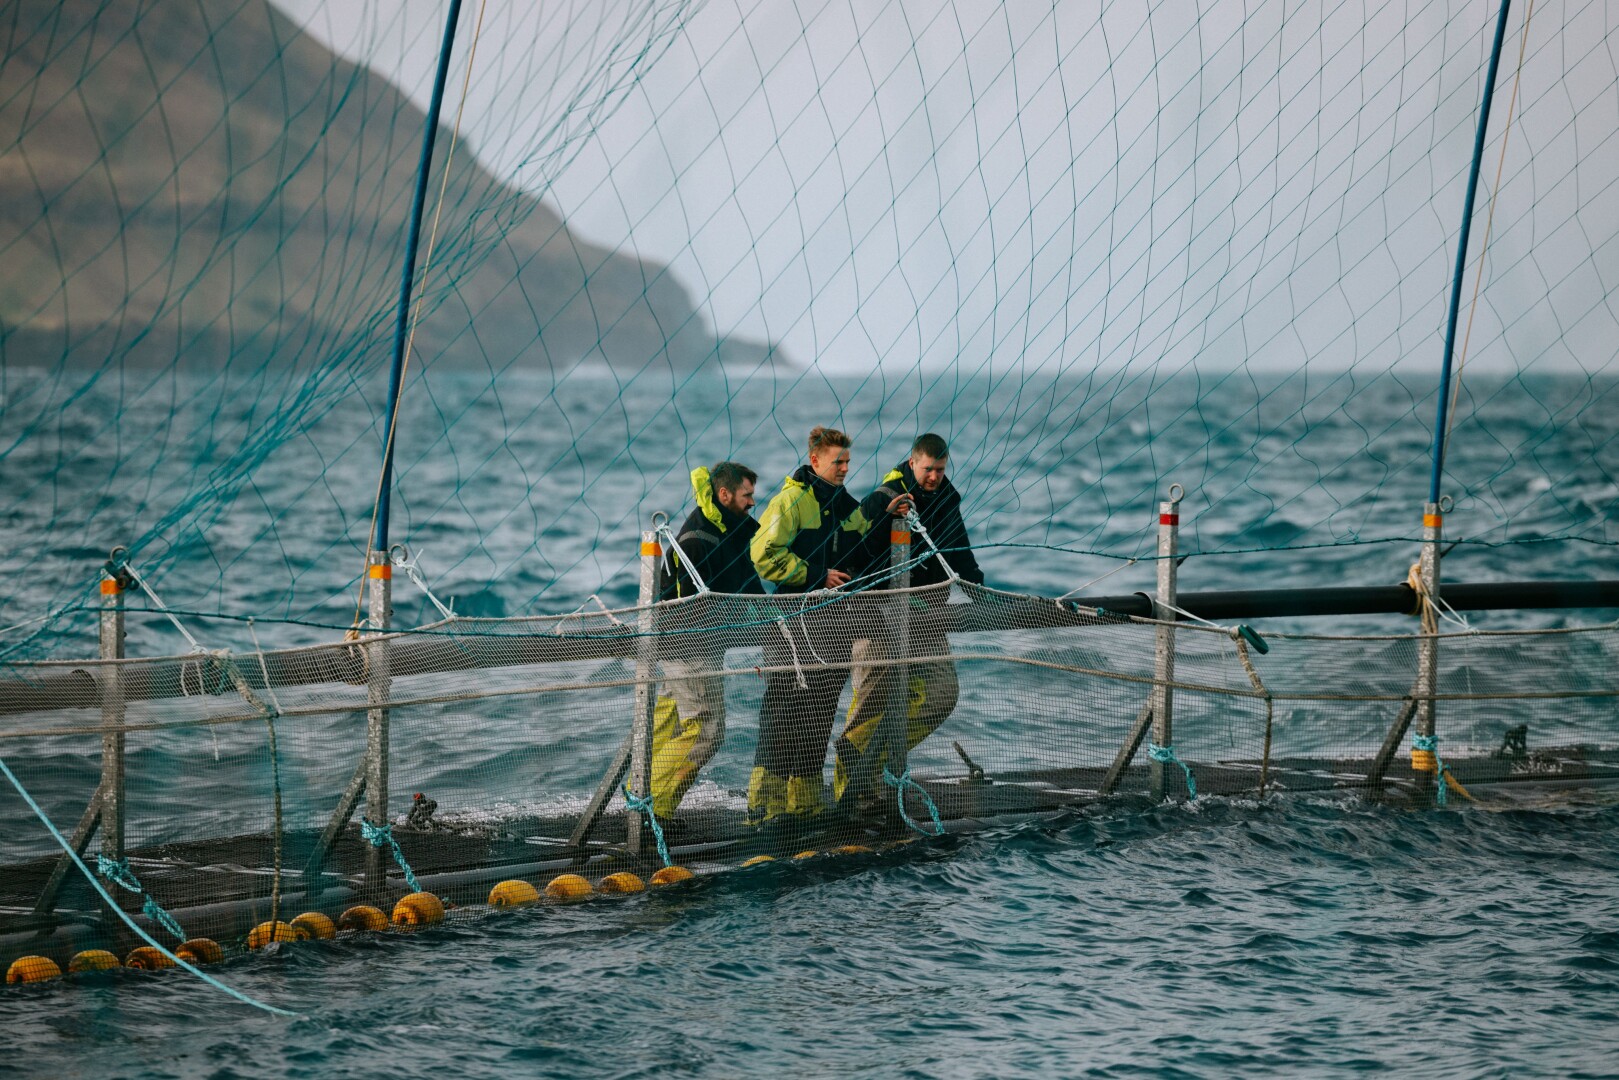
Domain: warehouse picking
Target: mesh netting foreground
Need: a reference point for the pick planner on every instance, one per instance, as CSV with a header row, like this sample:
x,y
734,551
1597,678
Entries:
x,y
740,726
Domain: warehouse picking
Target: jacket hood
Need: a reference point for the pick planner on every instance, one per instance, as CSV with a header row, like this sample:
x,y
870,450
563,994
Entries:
x,y
703,488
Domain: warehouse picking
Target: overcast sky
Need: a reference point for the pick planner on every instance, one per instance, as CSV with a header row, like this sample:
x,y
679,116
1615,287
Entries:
x,y
901,183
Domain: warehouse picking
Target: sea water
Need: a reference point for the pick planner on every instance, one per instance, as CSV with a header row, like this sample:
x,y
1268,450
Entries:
x,y
1215,938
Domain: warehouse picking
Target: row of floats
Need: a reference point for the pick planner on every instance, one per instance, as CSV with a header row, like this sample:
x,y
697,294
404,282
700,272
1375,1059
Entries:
x,y
413,910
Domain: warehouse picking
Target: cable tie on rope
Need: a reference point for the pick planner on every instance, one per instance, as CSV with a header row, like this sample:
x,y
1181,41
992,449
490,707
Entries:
x,y
1165,755
380,835
644,806
899,783
118,872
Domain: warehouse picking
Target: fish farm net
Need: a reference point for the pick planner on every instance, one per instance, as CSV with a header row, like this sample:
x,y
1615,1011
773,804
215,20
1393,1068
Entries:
x,y
508,745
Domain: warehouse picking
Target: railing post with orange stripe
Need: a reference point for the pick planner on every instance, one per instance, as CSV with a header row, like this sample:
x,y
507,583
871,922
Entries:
x,y
896,710
110,797
646,692
1433,524
379,686
1163,697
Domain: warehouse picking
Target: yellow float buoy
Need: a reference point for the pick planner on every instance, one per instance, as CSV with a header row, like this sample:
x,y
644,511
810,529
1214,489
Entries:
x,y
624,882
513,894
200,950
147,958
315,926
418,909
758,859
31,969
266,932
671,875
362,917
568,887
92,960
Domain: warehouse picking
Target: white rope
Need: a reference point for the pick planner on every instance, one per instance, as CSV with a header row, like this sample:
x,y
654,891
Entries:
x,y
196,646
691,567
914,523
399,555
1094,580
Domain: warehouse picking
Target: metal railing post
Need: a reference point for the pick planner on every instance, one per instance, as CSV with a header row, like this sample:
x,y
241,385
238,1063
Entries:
x,y
1433,524
1163,667
378,688
897,708
646,693
111,795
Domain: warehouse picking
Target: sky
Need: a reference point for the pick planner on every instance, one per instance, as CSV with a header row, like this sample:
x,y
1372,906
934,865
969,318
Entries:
x,y
1075,186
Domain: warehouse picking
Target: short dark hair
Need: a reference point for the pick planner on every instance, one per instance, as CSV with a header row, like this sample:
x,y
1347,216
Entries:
x,y
823,437
931,445
730,474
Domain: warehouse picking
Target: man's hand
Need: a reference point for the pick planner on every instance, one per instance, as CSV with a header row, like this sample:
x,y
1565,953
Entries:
x,y
834,578
901,505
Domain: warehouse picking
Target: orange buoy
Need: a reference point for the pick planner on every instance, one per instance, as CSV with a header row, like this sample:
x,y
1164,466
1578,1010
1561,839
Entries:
x,y
266,932
147,958
362,917
513,894
92,960
418,909
31,969
671,875
200,950
758,859
623,882
315,926
568,887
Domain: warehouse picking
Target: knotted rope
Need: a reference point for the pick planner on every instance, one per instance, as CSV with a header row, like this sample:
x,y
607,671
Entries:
x,y
380,835
1165,755
1425,758
644,806
118,872
899,783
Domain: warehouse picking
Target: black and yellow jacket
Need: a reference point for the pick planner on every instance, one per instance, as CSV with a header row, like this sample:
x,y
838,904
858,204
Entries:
x,y
940,514
716,541
810,527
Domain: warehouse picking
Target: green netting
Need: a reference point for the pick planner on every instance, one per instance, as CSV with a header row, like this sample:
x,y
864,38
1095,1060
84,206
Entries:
x,y
1100,250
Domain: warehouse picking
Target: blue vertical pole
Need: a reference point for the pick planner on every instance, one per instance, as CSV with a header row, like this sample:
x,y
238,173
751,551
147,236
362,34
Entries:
x,y
1461,254
408,276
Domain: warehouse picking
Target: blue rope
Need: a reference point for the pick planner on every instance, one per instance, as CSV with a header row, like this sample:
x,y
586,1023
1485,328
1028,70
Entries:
x,y
1431,744
124,915
379,835
1165,755
898,783
118,872
644,806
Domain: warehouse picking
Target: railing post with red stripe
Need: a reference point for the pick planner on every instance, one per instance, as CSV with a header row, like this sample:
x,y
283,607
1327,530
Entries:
x,y
646,696
378,688
1163,674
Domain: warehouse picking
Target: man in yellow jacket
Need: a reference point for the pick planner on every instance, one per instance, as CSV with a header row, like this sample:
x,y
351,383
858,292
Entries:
x,y
809,536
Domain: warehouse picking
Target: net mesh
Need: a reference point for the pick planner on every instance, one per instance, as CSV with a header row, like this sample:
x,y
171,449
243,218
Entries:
x,y
1100,251
762,730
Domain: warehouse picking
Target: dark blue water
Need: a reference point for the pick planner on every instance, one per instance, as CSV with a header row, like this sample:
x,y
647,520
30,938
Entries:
x,y
1215,939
